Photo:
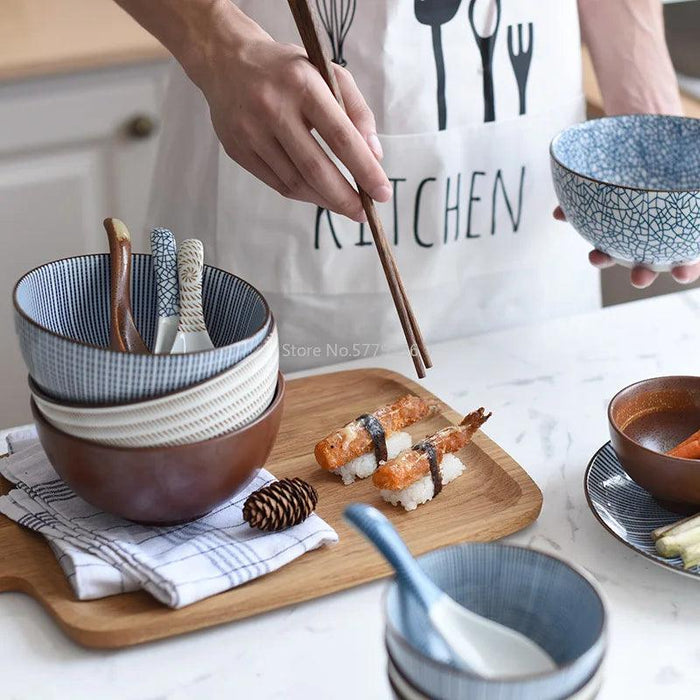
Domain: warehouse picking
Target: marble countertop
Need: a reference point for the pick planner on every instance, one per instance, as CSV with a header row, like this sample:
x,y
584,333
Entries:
x,y
548,386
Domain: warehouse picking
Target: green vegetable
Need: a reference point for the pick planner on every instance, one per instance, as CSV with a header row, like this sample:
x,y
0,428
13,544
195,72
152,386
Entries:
x,y
676,528
681,539
691,556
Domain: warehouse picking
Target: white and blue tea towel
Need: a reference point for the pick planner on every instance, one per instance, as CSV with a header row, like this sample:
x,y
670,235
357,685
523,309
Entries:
x,y
102,554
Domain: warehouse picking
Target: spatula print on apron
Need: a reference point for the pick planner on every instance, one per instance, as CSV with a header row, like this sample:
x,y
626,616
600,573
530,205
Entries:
x,y
435,13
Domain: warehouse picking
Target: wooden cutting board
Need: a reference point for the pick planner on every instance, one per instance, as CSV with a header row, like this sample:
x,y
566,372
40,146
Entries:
x,y
494,498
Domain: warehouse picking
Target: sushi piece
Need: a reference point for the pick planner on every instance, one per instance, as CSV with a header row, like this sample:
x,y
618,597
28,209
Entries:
x,y
355,451
417,475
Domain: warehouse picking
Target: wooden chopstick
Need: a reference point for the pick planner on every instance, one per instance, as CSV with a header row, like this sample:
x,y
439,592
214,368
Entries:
x,y
307,24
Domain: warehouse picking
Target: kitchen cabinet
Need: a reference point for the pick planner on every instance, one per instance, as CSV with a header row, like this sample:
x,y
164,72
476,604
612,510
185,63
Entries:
x,y
73,150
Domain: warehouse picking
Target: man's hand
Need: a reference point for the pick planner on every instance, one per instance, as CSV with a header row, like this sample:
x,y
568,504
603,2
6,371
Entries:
x,y
640,277
265,99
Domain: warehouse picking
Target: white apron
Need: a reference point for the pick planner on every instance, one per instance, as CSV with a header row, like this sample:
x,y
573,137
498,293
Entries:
x,y
465,122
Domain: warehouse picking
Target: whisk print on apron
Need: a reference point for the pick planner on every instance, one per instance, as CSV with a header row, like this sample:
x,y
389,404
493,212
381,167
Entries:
x,y
467,95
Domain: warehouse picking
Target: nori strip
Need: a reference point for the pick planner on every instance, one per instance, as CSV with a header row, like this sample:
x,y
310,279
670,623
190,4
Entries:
x,y
376,432
428,449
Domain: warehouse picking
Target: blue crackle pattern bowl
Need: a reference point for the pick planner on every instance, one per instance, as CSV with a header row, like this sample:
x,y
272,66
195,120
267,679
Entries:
x,y
630,185
541,596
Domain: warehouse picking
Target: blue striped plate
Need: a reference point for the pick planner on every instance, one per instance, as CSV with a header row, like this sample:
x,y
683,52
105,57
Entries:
x,y
626,510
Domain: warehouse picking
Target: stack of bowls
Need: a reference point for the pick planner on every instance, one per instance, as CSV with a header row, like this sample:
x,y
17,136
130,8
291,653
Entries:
x,y
185,431
544,598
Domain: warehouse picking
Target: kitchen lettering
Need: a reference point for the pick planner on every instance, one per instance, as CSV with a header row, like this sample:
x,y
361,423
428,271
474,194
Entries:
x,y
474,204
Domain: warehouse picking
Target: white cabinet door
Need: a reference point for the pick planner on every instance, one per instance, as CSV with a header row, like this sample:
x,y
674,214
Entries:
x,y
68,159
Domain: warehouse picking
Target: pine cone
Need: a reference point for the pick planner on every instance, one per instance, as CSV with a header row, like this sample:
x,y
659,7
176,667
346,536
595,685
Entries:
x,y
280,505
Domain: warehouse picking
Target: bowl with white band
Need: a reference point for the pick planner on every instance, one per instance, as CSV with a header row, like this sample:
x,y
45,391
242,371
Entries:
x,y
225,402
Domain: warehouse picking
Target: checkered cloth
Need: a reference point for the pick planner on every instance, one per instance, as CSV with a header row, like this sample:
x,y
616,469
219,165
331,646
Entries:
x,y
102,554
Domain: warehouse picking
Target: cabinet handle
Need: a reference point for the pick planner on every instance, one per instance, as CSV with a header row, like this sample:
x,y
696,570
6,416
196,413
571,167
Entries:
x,y
142,126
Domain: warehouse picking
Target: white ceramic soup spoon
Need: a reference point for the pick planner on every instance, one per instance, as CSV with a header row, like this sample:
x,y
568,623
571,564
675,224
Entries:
x,y
482,646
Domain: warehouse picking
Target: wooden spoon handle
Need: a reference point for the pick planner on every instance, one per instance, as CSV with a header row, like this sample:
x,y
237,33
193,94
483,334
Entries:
x,y
123,334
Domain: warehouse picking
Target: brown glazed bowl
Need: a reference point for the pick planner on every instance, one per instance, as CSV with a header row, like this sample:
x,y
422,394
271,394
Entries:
x,y
646,420
163,485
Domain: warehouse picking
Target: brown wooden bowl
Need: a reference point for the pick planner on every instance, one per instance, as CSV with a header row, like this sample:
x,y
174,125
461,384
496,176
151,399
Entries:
x,y
646,420
163,485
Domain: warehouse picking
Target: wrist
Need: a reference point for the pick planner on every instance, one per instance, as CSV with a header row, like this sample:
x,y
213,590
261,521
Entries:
x,y
220,33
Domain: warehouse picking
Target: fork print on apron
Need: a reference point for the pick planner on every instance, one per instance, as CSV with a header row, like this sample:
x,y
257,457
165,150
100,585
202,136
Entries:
x,y
467,96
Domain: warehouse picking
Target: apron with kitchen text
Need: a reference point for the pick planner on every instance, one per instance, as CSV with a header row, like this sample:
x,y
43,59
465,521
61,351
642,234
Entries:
x,y
467,96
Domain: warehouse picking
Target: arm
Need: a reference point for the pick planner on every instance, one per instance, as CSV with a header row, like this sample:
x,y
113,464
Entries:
x,y
628,48
265,98
631,60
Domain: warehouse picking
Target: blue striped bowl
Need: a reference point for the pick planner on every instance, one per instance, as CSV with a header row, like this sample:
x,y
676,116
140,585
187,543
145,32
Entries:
x,y
62,320
543,597
630,185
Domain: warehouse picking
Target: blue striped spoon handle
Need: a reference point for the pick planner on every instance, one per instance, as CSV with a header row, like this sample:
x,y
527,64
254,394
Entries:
x,y
164,252
478,644
192,333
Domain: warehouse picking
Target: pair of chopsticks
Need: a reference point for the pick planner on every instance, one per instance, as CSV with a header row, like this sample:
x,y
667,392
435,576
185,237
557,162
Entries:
x,y
307,24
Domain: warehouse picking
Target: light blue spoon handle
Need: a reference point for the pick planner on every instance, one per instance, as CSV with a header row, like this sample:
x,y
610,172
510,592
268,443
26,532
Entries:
x,y
375,526
164,251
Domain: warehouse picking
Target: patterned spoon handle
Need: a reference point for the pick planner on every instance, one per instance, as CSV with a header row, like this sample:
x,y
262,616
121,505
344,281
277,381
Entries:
x,y
164,251
190,264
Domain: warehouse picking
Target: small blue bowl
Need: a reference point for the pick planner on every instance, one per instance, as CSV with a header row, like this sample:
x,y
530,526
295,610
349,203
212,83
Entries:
x,y
543,597
62,320
630,185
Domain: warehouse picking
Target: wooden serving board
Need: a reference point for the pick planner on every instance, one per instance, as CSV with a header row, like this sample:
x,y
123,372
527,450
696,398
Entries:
x,y
494,498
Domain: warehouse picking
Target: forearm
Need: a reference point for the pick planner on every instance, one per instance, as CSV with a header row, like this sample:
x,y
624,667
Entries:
x,y
631,60
189,29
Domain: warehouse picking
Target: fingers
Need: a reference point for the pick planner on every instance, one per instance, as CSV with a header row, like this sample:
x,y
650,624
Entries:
x,y
338,131
358,111
293,184
319,172
685,274
258,167
600,260
559,214
642,277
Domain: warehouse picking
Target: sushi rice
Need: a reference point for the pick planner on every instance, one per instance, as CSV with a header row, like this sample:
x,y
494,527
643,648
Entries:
x,y
365,465
422,491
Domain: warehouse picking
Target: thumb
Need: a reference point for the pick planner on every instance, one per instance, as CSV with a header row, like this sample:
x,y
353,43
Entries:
x,y
358,111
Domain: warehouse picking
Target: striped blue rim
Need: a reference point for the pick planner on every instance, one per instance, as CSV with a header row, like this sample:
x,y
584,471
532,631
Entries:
x,y
93,329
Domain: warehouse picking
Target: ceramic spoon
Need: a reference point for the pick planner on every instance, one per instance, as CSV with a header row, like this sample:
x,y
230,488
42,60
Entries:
x,y
164,252
123,334
480,645
192,331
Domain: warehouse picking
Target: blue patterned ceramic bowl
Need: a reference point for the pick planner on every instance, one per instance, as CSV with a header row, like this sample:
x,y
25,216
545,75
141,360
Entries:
x,y
62,320
630,186
541,596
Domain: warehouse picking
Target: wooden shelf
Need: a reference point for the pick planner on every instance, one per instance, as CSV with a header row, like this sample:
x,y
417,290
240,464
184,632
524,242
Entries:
x,y
39,38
